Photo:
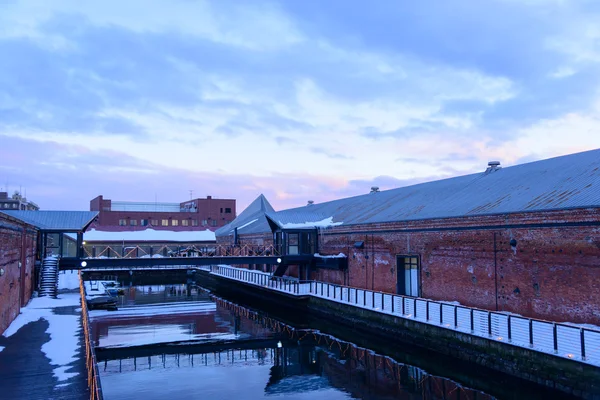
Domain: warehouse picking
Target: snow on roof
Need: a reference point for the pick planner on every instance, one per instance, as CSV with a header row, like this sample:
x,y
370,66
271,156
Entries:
x,y
252,219
324,223
149,235
246,224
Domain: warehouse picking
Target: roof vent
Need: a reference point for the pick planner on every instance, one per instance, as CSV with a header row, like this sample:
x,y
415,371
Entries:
x,y
493,166
374,189
310,203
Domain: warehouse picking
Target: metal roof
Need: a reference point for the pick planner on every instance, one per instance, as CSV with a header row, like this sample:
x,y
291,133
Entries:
x,y
571,181
251,220
55,220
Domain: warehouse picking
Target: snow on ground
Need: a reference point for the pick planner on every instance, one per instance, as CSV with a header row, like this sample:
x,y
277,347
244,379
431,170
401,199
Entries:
x,y
1,348
68,280
149,235
63,329
327,222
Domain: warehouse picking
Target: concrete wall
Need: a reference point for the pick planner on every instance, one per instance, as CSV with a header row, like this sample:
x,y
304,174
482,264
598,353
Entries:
x,y
17,259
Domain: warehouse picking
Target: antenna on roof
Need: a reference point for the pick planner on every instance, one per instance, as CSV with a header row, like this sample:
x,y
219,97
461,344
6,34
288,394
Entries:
x,y
191,194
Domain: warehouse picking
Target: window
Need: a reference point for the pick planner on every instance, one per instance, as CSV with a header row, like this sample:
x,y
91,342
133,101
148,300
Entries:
x,y
165,222
213,222
174,222
122,222
155,222
292,243
408,275
143,222
204,222
133,222
184,222
194,222
228,211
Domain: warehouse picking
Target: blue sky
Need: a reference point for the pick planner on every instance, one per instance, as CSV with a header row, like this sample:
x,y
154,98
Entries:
x,y
299,100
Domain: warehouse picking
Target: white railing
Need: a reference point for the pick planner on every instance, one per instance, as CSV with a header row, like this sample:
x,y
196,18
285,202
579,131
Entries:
x,y
573,342
263,279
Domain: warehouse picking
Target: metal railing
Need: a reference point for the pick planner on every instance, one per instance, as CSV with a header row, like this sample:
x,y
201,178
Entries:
x,y
264,279
117,251
93,377
563,340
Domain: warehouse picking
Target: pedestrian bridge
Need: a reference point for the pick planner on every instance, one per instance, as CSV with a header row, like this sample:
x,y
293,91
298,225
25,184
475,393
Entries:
x,y
177,257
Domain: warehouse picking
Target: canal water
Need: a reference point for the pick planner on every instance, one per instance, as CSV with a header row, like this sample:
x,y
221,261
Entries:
x,y
177,341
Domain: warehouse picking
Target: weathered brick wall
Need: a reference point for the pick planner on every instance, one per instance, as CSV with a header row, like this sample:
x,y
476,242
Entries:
x,y
553,272
17,245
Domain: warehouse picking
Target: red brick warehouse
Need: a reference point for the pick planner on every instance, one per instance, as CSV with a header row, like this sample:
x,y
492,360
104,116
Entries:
x,y
522,239
17,258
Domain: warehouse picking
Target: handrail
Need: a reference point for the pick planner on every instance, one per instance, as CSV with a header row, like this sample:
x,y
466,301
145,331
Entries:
x,y
91,365
577,343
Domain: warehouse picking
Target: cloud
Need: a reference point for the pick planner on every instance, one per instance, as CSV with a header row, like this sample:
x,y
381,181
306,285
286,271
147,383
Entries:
x,y
303,100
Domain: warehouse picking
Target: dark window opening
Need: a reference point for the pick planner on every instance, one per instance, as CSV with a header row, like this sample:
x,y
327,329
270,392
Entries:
x,y
408,273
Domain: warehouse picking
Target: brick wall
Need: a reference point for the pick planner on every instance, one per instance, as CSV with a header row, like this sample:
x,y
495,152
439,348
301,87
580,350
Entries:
x,y
208,210
17,245
552,273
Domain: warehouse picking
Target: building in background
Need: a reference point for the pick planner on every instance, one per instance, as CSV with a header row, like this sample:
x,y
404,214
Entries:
x,y
191,215
16,202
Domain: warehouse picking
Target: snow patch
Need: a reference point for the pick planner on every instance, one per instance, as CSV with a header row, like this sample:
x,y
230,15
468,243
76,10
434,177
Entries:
x,y
1,348
150,235
245,225
156,309
62,347
341,255
68,280
381,261
324,223
63,330
40,307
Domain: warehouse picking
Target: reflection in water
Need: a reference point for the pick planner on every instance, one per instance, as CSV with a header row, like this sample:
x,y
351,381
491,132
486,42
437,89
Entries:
x,y
234,352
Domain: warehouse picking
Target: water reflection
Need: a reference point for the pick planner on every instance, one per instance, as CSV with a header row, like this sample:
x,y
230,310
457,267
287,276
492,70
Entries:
x,y
234,352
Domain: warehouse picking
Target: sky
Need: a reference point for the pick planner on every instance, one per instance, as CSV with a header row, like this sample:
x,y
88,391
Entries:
x,y
145,100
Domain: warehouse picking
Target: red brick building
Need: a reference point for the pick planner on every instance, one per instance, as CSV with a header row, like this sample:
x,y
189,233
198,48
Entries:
x,y
17,258
523,239
28,236
196,214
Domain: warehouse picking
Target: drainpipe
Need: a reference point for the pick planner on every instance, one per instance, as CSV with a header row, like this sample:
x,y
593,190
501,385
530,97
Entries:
x,y
496,269
366,261
373,263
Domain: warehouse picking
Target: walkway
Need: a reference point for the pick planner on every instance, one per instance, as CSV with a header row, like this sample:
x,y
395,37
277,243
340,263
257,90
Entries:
x,y
574,342
42,353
